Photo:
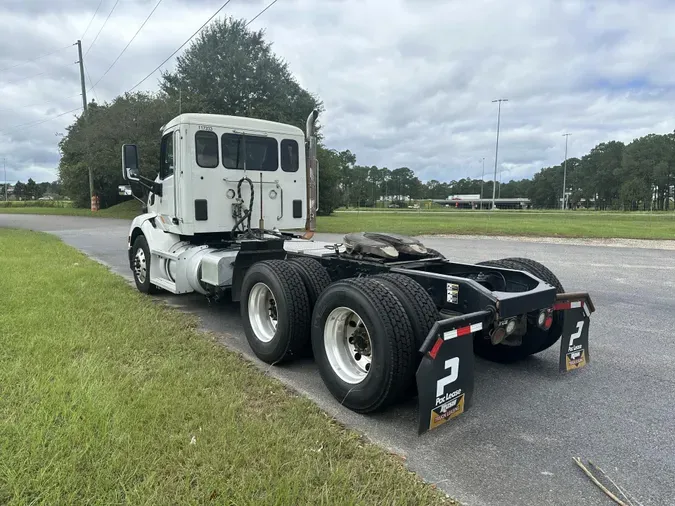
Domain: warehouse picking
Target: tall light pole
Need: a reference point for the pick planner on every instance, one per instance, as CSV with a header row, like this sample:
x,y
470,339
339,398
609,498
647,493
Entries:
x,y
4,166
482,177
494,180
566,136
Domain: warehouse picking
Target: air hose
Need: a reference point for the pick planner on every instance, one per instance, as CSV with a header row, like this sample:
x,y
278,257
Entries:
x,y
246,215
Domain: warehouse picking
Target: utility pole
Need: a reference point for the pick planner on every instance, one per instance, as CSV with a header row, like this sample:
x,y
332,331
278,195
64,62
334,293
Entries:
x,y
566,136
494,180
482,177
84,107
4,166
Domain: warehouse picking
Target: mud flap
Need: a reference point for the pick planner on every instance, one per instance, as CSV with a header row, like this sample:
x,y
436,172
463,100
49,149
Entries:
x,y
445,376
574,353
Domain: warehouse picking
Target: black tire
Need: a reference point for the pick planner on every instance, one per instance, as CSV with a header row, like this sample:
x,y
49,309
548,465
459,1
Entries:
x,y
418,304
536,339
539,270
314,276
550,337
143,286
490,263
391,343
291,335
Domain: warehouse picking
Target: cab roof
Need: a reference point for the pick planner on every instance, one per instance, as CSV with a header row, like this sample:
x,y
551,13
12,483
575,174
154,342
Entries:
x,y
238,122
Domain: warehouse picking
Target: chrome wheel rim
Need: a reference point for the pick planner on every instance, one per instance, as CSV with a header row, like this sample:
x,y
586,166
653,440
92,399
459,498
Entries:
x,y
348,345
140,265
262,312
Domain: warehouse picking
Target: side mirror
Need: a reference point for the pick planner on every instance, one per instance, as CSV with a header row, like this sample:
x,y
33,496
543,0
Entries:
x,y
130,162
124,190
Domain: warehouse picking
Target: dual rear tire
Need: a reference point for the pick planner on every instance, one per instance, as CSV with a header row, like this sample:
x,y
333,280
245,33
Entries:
x,y
364,332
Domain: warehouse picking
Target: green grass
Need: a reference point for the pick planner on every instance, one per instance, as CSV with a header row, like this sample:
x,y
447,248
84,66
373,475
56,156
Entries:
x,y
548,223
126,210
36,203
107,398
529,223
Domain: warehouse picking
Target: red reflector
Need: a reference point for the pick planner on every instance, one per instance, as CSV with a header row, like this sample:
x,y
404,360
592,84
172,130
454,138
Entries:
x,y
462,331
560,306
437,346
548,322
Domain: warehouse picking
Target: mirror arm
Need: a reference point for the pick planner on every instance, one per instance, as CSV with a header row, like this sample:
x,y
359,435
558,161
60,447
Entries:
x,y
150,185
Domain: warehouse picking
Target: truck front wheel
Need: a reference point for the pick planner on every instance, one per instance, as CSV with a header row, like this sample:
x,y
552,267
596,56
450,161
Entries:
x,y
363,344
140,262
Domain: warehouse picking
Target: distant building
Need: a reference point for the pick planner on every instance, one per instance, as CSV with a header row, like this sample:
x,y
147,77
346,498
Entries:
x,y
475,202
470,196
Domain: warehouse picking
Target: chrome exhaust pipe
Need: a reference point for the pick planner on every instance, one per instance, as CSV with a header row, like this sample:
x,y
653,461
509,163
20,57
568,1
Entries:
x,y
312,177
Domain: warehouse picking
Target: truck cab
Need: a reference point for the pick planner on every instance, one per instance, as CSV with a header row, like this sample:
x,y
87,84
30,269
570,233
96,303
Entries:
x,y
211,165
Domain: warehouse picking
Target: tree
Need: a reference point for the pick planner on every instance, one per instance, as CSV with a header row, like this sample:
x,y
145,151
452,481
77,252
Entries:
x,y
229,69
19,190
329,180
31,189
43,188
97,138
404,183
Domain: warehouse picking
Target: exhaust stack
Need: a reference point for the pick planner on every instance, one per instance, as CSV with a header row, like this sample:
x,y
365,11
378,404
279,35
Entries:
x,y
312,177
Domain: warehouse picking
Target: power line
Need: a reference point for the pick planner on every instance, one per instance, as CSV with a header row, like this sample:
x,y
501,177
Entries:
x,y
43,104
37,75
181,46
89,77
39,122
128,44
102,27
37,58
92,19
260,13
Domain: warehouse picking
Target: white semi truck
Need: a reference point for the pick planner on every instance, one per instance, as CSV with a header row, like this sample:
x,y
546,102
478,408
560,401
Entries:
x,y
383,316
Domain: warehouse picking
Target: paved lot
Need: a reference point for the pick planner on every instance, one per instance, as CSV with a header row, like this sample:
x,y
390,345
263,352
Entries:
x,y
515,446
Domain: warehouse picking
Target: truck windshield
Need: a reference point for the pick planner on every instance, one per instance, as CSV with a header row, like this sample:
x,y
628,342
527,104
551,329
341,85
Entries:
x,y
259,153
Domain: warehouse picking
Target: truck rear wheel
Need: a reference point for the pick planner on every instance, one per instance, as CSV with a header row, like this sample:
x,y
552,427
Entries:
x,y
535,339
418,304
313,274
363,344
275,311
550,337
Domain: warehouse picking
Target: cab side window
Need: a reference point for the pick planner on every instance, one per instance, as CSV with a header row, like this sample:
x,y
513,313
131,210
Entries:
x,y
206,148
166,162
289,155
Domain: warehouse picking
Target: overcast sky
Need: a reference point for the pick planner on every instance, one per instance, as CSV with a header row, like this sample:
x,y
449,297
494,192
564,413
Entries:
x,y
404,82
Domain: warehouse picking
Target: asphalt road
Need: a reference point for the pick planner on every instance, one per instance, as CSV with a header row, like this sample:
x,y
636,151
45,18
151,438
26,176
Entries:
x,y
515,446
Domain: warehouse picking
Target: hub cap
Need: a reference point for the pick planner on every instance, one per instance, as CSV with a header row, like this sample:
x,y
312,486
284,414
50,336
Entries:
x,y
262,312
140,265
348,345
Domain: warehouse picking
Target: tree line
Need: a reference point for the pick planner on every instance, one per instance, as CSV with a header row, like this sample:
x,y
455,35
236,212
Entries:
x,y
613,176
31,190
229,69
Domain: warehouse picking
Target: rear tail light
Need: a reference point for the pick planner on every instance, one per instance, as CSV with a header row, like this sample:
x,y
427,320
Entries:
x,y
545,319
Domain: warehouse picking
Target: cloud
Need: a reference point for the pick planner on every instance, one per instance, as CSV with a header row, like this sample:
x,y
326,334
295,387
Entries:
x,y
404,82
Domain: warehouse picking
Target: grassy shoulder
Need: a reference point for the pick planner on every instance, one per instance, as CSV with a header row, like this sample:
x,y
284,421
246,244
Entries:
x,y
528,223
107,397
126,211
573,224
